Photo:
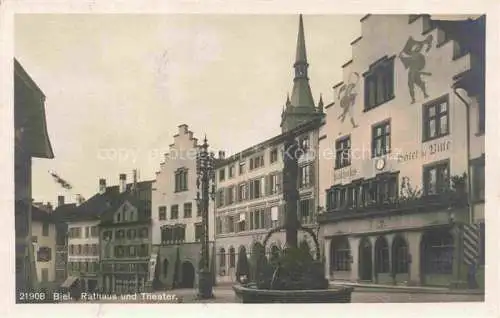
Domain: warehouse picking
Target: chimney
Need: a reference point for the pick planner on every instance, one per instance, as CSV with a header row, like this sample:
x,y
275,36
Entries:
x,y
123,182
60,200
222,154
134,181
79,199
102,186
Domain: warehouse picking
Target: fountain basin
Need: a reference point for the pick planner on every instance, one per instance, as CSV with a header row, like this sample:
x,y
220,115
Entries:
x,y
250,294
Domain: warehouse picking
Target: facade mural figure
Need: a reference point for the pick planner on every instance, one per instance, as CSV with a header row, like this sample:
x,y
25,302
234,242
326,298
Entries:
x,y
347,98
414,61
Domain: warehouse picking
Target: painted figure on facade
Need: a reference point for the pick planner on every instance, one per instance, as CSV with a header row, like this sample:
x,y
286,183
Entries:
x,y
414,61
347,98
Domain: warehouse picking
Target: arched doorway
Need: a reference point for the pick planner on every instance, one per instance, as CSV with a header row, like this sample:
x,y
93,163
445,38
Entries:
x,y
365,259
400,259
340,258
92,285
436,252
382,263
243,266
257,259
165,268
83,284
107,284
222,261
232,257
187,275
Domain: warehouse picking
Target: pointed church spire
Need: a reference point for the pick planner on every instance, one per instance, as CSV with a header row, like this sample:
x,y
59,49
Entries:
x,y
300,106
320,103
300,56
301,93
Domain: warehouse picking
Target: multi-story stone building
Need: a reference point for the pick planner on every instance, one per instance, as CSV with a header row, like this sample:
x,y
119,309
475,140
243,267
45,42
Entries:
x,y
31,141
43,233
108,238
177,221
413,95
249,184
125,236
61,258
83,252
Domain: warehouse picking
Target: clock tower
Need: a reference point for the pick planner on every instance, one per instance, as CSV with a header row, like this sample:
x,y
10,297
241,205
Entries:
x,y
300,107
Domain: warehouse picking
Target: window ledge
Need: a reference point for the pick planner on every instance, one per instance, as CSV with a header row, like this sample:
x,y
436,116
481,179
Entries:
x,y
342,167
435,137
367,109
479,134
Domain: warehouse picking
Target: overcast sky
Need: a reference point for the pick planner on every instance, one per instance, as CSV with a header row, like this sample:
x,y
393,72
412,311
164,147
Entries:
x,y
123,83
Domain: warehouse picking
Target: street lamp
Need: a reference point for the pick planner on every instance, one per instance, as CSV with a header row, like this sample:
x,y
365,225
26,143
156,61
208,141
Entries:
x,y
205,185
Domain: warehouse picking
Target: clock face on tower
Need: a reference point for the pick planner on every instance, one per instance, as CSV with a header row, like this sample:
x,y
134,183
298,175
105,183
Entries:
x,y
380,164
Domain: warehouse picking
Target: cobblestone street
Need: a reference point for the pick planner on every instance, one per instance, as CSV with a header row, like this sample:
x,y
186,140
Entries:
x,y
225,294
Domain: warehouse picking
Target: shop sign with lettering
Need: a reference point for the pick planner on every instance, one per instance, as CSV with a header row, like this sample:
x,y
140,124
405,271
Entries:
x,y
431,149
345,173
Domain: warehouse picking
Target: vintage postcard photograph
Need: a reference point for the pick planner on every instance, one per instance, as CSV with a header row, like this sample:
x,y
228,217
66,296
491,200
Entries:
x,y
294,158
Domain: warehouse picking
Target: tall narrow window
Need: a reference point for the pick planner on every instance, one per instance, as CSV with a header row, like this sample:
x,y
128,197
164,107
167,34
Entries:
x,y
274,155
174,212
305,176
379,83
343,152
436,119
436,178
162,213
241,168
181,180
188,207
381,139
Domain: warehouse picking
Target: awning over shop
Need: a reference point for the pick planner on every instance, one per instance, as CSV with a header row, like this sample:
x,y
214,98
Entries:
x,y
69,281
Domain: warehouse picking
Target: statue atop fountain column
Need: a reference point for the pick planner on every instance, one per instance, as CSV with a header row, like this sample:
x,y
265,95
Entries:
x,y
290,193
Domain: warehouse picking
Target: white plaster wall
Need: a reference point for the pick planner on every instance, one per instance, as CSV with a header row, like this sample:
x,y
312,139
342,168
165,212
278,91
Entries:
x,y
83,240
182,154
386,35
45,241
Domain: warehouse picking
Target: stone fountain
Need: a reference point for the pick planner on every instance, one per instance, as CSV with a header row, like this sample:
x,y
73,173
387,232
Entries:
x,y
294,276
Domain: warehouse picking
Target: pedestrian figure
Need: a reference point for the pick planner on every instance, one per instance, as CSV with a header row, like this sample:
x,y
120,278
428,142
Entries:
x,y
414,61
348,93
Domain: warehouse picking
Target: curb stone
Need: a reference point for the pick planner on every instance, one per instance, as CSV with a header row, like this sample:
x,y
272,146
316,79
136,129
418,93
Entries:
x,y
407,289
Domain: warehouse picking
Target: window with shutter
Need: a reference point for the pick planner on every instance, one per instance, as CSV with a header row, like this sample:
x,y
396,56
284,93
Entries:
x,y
268,185
280,182
267,218
311,174
312,210
263,191
281,218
